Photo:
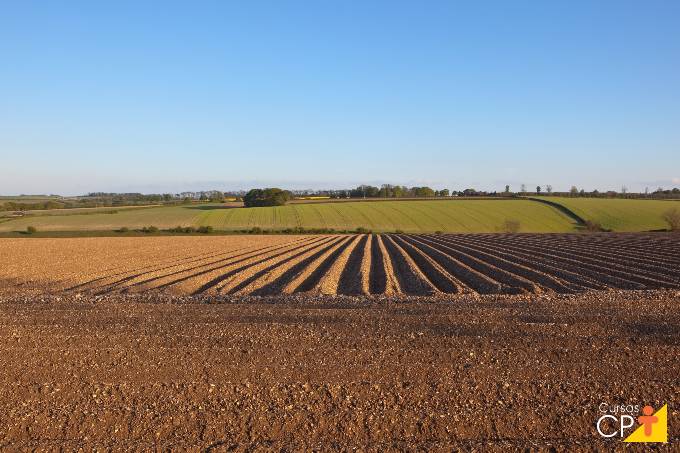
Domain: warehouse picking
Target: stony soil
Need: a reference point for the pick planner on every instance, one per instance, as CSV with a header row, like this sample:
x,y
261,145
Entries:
x,y
299,372
375,342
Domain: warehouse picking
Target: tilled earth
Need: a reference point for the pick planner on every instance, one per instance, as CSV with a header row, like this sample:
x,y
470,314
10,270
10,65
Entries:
x,y
376,264
492,372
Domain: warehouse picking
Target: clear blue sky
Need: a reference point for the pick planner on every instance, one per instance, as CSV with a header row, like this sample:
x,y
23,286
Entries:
x,y
170,96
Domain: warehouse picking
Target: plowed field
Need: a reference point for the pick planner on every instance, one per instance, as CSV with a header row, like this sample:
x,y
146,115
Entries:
x,y
357,343
385,264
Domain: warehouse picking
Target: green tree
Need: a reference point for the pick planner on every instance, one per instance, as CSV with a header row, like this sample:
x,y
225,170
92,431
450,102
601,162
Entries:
x,y
422,191
272,196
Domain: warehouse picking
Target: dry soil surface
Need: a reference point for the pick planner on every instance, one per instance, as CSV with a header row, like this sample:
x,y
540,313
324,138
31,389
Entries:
x,y
383,264
478,373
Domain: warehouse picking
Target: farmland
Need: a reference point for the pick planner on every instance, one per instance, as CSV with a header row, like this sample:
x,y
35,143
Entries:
x,y
73,211
397,342
387,264
408,216
623,215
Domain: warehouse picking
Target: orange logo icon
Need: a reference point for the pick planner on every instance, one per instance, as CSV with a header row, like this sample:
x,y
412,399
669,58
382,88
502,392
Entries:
x,y
647,420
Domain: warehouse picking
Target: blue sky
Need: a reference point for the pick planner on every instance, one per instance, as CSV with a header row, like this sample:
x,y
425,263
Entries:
x,y
171,96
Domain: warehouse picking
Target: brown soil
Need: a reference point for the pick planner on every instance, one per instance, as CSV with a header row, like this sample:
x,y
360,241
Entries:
x,y
300,372
341,264
489,342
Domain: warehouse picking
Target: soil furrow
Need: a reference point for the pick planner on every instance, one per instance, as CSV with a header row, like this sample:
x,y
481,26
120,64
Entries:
x,y
622,257
508,278
571,280
662,250
162,266
355,276
282,280
251,278
437,275
195,279
149,278
411,279
600,275
544,280
630,273
383,280
468,276
330,281
311,279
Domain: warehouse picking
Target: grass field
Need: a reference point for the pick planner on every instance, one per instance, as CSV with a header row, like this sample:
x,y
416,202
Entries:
x,y
408,216
620,214
74,211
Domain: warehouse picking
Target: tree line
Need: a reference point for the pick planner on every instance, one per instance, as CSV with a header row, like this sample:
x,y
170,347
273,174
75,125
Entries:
x,y
574,192
397,191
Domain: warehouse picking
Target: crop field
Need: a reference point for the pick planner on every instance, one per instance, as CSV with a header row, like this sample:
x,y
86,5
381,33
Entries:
x,y
624,215
74,211
454,216
64,220
377,264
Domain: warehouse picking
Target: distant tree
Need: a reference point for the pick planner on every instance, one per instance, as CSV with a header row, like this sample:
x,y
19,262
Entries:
x,y
624,190
672,218
217,197
399,191
364,191
548,189
444,193
582,192
523,188
573,191
203,197
422,191
272,196
538,190
507,188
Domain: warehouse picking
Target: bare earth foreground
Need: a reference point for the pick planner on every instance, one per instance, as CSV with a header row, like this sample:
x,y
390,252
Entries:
x,y
90,361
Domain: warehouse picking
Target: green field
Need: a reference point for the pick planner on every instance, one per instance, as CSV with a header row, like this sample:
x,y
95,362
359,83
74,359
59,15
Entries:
x,y
620,214
408,216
